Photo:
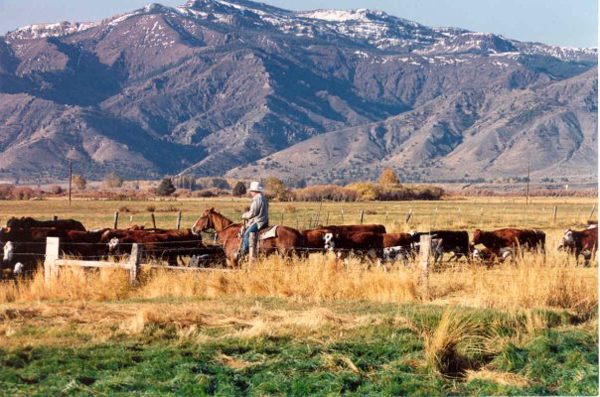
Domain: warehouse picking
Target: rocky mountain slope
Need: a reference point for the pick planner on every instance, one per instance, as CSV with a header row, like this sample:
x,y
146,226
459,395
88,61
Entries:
x,y
215,87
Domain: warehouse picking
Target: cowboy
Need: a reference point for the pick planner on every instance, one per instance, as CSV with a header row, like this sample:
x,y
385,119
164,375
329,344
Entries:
x,y
256,218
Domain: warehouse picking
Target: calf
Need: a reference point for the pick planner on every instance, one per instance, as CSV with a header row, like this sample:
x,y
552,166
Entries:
x,y
584,242
397,245
510,238
489,257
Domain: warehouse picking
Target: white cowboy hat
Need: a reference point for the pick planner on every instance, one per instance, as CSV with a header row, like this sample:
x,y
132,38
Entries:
x,y
255,187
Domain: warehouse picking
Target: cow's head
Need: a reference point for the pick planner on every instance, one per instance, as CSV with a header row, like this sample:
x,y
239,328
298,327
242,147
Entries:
x,y
328,239
568,240
113,244
9,251
476,237
18,269
477,254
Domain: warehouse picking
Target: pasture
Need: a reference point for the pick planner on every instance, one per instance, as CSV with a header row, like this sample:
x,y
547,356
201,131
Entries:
x,y
311,326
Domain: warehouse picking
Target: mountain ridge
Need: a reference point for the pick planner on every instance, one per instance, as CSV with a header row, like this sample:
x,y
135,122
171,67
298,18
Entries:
x,y
215,87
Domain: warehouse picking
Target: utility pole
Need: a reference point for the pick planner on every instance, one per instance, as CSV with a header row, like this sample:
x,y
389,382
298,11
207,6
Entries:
x,y
70,179
527,194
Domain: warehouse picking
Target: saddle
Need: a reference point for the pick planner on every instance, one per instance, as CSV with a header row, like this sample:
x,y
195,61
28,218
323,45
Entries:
x,y
268,232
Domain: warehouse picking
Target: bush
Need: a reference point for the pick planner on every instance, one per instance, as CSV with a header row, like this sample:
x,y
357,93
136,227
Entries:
x,y
325,192
371,191
79,181
113,180
24,193
6,191
276,189
366,190
166,187
151,208
56,189
239,189
210,193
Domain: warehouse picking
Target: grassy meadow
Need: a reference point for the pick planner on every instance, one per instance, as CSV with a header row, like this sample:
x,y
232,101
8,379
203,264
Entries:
x,y
310,326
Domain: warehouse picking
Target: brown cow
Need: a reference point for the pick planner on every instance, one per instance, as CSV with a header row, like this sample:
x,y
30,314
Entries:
x,y
168,246
510,238
368,243
314,239
27,246
28,223
584,242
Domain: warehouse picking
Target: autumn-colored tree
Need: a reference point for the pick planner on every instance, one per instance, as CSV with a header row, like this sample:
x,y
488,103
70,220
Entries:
x,y
277,189
388,177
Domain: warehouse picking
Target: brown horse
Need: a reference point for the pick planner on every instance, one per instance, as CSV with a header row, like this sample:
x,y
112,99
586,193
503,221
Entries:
x,y
287,241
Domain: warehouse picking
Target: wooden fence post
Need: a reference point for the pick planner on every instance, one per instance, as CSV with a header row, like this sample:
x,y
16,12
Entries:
x,y
555,209
153,220
342,216
297,222
52,250
408,216
319,213
130,220
253,247
362,215
134,264
116,220
386,218
425,249
281,221
178,220
592,211
327,219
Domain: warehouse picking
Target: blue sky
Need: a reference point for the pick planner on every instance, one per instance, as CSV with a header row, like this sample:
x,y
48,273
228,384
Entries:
x,y
559,22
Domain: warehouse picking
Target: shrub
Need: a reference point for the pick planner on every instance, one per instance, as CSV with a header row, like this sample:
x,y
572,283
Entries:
x,y
277,189
239,189
325,192
113,180
366,190
6,191
166,187
56,189
151,208
210,193
79,181
24,193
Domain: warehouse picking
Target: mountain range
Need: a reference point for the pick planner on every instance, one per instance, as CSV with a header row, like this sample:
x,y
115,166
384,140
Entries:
x,y
247,90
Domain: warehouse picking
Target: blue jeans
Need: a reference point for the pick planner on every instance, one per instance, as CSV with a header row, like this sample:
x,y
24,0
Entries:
x,y
246,240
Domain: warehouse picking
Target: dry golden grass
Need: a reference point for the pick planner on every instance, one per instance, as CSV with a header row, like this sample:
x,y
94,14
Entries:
x,y
501,378
445,345
533,282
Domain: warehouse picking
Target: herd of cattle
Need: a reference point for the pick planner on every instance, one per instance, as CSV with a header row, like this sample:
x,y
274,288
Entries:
x,y
24,242
498,245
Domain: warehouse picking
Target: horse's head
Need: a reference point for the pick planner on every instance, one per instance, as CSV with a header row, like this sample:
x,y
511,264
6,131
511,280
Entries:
x,y
205,222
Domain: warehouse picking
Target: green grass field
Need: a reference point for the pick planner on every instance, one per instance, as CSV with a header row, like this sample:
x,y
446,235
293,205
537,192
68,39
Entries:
x,y
310,328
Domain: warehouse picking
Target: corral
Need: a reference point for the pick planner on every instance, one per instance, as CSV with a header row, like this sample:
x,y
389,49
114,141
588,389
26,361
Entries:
x,y
311,325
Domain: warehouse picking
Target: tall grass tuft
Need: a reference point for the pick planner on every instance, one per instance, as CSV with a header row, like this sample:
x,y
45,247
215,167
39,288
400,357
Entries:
x,y
452,344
